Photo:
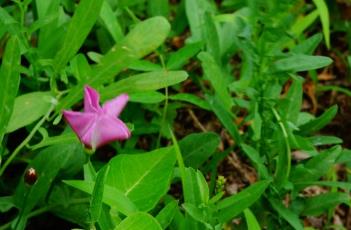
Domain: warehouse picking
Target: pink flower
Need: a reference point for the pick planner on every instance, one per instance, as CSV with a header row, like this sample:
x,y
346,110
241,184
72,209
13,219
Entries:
x,y
97,125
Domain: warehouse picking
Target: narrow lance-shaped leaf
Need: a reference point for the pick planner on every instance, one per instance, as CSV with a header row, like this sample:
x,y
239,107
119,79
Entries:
x,y
235,204
9,78
320,122
301,62
79,27
324,16
145,37
97,196
144,82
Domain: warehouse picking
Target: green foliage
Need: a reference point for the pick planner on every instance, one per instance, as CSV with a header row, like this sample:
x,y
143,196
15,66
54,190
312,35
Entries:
x,y
245,73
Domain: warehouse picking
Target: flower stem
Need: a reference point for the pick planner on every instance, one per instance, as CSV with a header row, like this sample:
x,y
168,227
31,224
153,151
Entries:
x,y
25,141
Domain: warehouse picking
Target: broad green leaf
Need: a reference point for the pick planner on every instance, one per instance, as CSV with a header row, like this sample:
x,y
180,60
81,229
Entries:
x,y
78,29
28,108
320,122
139,221
63,202
64,158
143,82
145,37
198,147
215,75
316,205
251,221
190,98
10,79
179,58
324,16
230,207
291,217
97,195
111,196
301,62
165,216
143,178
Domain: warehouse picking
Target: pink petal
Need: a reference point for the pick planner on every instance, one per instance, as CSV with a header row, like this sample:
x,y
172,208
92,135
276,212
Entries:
x,y
115,106
91,100
82,124
109,129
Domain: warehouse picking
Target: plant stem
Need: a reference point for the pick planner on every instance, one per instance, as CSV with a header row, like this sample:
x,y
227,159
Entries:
x,y
25,141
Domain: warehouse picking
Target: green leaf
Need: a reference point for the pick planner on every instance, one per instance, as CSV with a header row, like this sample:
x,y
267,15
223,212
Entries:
x,y
214,74
320,122
143,178
165,216
316,167
290,106
158,8
10,79
97,195
316,205
179,58
254,156
145,37
226,118
28,108
144,82
324,140
69,204
78,29
111,196
6,203
230,207
66,158
198,147
198,214
190,98
195,189
291,217
301,62
139,221
148,97
324,16
308,46
195,11
110,22
251,221
303,22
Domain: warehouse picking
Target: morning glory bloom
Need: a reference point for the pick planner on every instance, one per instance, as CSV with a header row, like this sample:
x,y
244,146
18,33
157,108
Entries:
x,y
97,125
